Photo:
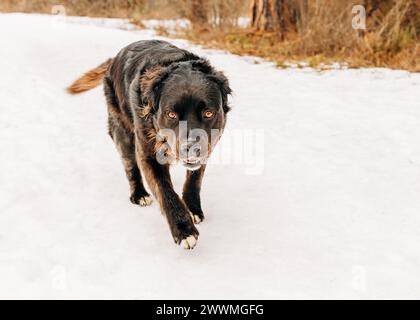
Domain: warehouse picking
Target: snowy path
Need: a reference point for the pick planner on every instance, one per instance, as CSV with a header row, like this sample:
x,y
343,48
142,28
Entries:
x,y
335,214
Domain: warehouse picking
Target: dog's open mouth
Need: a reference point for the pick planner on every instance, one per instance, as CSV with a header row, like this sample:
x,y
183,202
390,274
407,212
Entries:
x,y
191,164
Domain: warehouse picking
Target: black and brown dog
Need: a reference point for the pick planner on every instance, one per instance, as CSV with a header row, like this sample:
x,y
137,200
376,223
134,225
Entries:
x,y
150,87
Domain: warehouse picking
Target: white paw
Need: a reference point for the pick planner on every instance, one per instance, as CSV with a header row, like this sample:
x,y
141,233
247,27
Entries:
x,y
196,219
145,201
189,243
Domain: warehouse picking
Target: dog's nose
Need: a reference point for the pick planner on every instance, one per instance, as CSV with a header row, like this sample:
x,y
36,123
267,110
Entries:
x,y
190,149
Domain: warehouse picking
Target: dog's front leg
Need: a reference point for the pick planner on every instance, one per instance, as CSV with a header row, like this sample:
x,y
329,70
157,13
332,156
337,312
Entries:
x,y
191,193
175,210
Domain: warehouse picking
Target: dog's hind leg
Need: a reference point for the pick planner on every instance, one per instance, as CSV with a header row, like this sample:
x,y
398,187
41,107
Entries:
x,y
124,141
125,146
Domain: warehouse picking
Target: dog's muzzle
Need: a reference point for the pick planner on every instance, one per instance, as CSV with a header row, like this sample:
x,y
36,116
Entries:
x,y
191,155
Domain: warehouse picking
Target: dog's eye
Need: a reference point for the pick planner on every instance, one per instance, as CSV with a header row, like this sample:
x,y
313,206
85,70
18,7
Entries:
x,y
172,115
208,114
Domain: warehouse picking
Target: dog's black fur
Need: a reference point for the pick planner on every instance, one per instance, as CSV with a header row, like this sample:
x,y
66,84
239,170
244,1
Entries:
x,y
143,83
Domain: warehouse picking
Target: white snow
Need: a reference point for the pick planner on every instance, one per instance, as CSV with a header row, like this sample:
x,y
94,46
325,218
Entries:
x,y
334,214
170,25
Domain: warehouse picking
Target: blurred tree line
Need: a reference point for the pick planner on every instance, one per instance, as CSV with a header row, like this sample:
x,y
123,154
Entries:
x,y
279,16
292,15
277,29
200,12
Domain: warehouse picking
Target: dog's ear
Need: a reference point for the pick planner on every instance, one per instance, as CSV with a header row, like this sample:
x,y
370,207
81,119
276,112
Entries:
x,y
151,85
224,87
218,77
202,65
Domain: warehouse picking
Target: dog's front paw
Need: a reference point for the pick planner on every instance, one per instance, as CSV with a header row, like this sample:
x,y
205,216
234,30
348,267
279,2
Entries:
x,y
194,207
185,234
143,200
189,243
197,217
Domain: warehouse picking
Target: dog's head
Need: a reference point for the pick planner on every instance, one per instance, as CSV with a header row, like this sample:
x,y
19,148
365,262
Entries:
x,y
188,103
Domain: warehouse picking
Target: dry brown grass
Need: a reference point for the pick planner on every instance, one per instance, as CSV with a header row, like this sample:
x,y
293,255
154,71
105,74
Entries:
x,y
159,9
325,35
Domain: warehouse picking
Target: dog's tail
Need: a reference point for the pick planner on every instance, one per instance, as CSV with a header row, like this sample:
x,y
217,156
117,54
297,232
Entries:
x,y
90,80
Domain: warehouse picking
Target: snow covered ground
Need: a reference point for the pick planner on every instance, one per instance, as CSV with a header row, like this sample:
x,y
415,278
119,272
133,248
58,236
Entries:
x,y
334,214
